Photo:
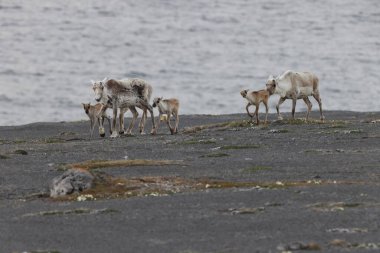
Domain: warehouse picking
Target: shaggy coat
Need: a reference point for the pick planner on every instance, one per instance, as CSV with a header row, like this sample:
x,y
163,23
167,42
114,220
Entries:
x,y
295,85
125,94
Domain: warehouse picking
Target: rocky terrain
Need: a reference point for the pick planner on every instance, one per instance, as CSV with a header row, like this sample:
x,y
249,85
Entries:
x,y
221,185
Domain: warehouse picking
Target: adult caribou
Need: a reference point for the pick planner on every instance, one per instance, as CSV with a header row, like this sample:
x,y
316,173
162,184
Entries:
x,y
124,95
295,85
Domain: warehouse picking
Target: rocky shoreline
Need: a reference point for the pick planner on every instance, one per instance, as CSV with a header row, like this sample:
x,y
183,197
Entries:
x,y
221,185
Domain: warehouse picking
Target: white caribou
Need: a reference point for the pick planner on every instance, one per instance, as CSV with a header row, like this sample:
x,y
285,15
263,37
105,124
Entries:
x,y
295,85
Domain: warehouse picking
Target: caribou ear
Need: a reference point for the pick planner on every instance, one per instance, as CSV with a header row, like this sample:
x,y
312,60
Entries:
x,y
105,79
93,82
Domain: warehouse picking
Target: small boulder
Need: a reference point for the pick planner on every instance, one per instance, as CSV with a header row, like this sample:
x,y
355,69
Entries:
x,y
72,181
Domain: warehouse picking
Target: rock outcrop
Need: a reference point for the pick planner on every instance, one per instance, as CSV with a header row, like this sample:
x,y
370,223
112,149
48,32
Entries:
x,y
72,181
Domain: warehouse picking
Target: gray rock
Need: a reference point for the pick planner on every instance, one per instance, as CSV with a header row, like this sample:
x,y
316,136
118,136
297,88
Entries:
x,y
72,181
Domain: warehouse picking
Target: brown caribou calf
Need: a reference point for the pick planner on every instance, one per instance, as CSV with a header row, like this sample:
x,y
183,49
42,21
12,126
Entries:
x,y
255,98
97,113
169,107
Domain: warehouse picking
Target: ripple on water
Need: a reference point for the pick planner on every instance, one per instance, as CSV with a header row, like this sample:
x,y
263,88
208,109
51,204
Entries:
x,y
195,51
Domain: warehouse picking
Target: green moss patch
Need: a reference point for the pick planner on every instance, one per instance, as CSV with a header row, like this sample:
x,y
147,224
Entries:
x,y
229,147
194,141
215,155
71,212
255,169
333,206
45,251
244,210
4,157
53,140
20,152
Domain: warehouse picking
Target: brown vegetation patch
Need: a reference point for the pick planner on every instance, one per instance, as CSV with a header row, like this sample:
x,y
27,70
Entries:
x,y
108,187
95,164
355,245
223,125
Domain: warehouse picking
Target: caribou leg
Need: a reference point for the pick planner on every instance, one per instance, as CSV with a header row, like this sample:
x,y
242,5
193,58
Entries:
x,y
170,126
121,120
158,122
102,133
257,114
143,121
132,124
278,107
109,123
148,107
92,126
266,111
319,100
249,114
309,106
114,118
294,106
176,122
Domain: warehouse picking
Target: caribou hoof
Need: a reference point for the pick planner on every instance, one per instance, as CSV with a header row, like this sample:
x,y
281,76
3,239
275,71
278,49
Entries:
x,y
323,119
102,135
280,118
153,132
142,133
121,132
114,135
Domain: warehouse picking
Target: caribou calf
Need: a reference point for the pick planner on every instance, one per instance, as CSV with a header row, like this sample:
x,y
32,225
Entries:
x,y
255,98
167,107
96,113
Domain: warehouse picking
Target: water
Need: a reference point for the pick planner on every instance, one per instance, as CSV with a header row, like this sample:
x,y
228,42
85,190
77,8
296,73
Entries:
x,y
202,52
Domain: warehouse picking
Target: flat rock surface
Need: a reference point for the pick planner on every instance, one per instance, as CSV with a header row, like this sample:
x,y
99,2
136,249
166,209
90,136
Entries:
x,y
322,187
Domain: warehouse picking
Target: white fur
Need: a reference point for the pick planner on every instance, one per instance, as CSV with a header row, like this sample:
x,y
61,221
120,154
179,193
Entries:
x,y
295,85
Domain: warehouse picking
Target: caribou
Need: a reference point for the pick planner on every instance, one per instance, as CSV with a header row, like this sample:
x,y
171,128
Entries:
x,y
93,112
295,85
124,95
167,107
255,98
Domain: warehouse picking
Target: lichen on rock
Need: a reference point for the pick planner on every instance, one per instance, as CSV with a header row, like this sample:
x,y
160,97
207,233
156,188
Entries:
x,y
72,181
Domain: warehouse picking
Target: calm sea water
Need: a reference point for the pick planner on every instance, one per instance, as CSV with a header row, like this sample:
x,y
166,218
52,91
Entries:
x,y
202,52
